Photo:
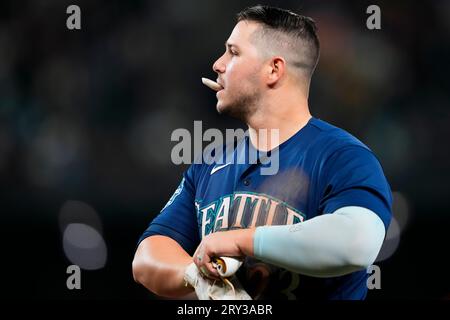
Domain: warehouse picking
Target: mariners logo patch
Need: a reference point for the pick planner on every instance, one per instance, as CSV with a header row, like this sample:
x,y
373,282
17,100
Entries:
x,y
175,194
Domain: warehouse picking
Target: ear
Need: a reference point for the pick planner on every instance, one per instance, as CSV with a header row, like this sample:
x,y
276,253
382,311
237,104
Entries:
x,y
276,70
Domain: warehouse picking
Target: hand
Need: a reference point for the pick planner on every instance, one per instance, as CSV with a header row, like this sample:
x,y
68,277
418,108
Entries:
x,y
207,289
234,243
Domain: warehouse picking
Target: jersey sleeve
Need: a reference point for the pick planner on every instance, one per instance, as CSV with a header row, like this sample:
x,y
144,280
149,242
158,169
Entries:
x,y
353,176
178,218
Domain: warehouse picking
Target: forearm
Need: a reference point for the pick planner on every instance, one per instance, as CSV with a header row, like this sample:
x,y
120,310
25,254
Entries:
x,y
325,246
159,265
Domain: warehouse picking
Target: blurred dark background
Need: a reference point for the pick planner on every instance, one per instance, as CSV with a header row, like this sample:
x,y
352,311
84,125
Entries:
x,y
86,117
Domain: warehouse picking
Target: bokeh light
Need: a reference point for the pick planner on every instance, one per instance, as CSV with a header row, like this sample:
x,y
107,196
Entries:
x,y
84,246
391,241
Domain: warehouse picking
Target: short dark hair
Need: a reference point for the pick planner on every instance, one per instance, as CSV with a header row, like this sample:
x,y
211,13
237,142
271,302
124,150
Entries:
x,y
301,30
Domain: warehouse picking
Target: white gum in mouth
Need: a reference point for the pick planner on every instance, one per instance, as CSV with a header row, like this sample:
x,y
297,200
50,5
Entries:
x,y
211,84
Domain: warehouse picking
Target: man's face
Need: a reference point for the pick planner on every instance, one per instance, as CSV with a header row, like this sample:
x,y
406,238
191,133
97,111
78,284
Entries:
x,y
239,72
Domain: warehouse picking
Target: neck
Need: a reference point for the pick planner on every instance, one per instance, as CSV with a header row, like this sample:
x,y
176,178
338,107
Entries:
x,y
278,119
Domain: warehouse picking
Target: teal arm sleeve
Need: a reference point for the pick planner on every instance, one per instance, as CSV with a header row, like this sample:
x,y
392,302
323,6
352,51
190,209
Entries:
x,y
328,245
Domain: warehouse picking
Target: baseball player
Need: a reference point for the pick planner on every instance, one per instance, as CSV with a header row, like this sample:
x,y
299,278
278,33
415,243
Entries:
x,y
307,232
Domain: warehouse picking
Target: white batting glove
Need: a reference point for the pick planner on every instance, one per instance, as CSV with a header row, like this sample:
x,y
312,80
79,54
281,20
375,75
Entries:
x,y
201,284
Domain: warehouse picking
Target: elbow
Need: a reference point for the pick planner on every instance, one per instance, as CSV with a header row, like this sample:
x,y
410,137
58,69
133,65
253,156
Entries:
x,y
367,239
138,268
142,272
142,275
146,275
361,258
364,253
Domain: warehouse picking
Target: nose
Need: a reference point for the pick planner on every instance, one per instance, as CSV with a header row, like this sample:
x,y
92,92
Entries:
x,y
219,65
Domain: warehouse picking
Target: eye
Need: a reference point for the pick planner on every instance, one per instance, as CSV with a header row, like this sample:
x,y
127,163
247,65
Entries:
x,y
232,52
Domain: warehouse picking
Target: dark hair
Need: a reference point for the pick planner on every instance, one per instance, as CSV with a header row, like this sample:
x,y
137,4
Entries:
x,y
298,27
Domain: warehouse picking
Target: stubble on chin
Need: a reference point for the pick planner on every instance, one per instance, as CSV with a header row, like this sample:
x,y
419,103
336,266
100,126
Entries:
x,y
241,108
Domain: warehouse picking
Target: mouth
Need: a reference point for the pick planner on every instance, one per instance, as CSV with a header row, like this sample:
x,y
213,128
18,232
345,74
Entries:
x,y
216,86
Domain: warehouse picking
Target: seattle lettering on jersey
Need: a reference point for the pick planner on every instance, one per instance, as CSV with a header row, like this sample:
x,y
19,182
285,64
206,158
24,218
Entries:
x,y
245,210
